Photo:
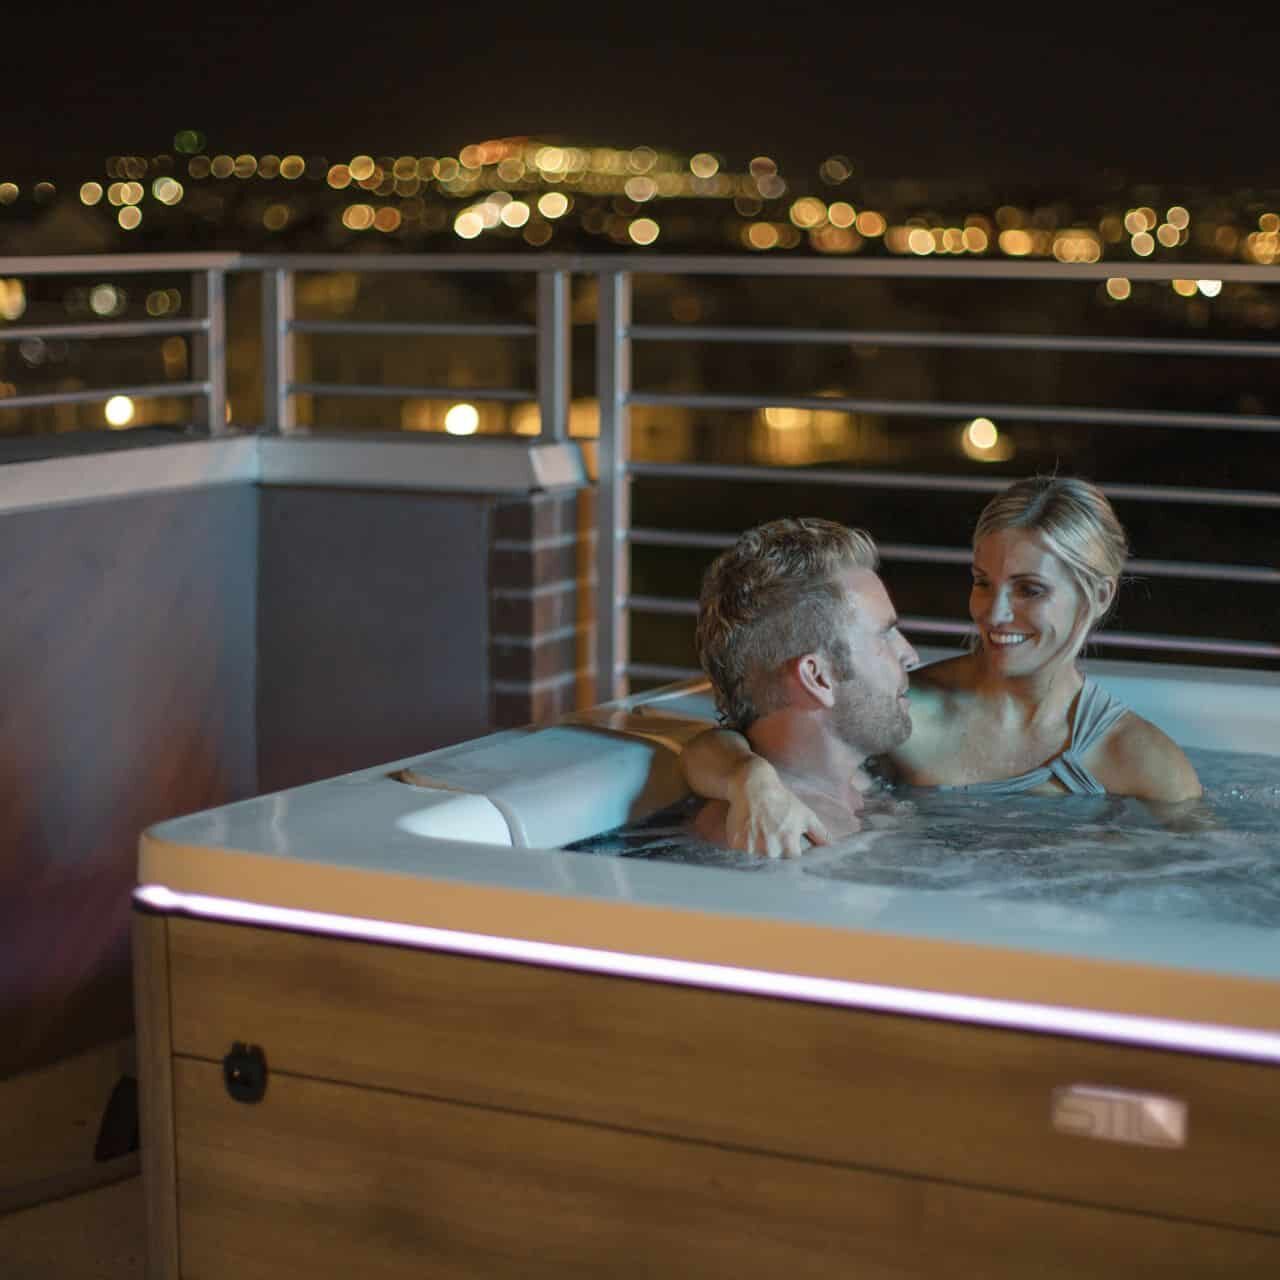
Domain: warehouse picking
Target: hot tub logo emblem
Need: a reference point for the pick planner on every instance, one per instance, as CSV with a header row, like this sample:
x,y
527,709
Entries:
x,y
1119,1115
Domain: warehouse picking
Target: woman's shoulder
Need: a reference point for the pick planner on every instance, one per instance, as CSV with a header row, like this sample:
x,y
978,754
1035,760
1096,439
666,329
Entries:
x,y
1137,758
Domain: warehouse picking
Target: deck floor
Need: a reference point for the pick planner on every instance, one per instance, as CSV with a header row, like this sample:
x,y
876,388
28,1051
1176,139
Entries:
x,y
97,1235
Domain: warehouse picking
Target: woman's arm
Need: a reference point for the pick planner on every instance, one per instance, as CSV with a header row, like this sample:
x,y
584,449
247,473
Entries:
x,y
1143,761
764,815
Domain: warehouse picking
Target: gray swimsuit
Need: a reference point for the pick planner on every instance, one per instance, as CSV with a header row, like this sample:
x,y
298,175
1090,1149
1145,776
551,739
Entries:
x,y
1096,712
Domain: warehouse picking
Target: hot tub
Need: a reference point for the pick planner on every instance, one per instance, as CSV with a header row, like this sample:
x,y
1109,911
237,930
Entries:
x,y
389,1026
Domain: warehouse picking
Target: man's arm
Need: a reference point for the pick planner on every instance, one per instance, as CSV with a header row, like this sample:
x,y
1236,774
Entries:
x,y
764,816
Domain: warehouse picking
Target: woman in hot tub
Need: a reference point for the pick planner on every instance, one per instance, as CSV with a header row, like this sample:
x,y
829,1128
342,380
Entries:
x,y
1014,715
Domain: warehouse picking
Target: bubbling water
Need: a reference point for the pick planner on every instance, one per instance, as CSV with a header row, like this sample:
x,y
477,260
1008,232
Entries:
x,y
1214,859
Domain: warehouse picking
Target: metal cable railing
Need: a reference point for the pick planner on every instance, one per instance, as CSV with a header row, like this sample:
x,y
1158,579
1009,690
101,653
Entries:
x,y
617,396
551,332
207,272
618,335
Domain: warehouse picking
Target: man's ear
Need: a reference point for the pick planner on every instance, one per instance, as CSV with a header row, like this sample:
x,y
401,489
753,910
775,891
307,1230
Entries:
x,y
812,672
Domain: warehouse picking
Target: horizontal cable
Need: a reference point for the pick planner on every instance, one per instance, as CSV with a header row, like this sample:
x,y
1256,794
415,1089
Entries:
x,y
914,553
931,268
401,262
662,604
74,264
671,606
961,341
1190,569
1187,644
149,392
107,329
423,393
388,329
657,671
675,607
961,409
935,483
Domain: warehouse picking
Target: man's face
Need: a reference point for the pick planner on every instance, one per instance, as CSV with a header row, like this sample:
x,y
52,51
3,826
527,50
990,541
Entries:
x,y
871,712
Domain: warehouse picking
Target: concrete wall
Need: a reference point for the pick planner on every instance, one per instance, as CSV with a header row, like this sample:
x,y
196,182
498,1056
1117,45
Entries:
x,y
372,628
186,626
126,696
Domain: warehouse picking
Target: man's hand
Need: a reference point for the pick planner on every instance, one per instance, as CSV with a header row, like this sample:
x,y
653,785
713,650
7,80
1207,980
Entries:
x,y
765,817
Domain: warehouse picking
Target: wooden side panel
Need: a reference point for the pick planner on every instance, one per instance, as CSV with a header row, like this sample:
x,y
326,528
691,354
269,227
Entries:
x,y
941,1100
322,1180
155,1093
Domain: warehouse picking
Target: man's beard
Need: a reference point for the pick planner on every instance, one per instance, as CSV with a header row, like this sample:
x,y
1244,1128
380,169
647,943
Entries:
x,y
868,723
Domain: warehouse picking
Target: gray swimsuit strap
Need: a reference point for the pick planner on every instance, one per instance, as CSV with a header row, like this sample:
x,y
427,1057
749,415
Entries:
x,y
1096,711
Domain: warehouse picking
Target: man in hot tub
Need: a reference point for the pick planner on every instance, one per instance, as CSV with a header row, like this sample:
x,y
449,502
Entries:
x,y
802,645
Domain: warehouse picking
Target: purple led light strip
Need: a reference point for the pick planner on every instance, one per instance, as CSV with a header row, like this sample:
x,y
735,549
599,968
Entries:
x,y
1156,1033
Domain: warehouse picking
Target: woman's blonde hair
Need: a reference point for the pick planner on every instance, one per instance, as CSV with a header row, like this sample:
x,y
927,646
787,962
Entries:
x,y
770,597
1076,522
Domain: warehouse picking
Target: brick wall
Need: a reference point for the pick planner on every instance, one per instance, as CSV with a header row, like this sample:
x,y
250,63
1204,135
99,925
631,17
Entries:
x,y
541,602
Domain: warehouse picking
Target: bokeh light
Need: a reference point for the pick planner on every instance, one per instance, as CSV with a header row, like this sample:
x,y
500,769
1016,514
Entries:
x,y
462,420
515,214
643,231
871,224
762,235
842,214
119,412
468,224
835,170
357,217
553,204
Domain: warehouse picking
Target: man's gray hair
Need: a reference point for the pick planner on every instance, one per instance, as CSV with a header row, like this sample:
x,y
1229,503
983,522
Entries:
x,y
771,597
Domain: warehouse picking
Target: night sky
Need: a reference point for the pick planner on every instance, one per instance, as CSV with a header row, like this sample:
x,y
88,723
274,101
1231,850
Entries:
x,y
1055,95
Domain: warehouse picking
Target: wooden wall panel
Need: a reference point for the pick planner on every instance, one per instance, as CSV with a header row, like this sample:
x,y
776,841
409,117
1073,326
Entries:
x,y
323,1181
945,1100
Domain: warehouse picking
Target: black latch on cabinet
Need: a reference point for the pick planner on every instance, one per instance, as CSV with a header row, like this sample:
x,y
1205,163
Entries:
x,y
244,1070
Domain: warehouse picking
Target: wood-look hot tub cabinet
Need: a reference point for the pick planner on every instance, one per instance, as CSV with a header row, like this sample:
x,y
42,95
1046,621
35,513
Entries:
x,y
387,1027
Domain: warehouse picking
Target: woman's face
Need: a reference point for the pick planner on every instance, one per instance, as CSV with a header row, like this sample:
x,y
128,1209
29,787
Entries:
x,y
1027,607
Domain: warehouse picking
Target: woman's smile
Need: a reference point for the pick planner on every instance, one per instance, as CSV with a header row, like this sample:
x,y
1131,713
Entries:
x,y
1024,600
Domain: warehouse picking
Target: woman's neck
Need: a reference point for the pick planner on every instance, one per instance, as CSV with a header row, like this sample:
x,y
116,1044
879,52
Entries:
x,y
1049,691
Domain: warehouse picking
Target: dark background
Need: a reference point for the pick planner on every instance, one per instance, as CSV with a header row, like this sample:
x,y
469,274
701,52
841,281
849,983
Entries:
x,y
1057,95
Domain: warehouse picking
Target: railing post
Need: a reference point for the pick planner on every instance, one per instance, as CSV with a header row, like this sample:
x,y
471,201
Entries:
x,y
209,358
613,494
277,350
554,352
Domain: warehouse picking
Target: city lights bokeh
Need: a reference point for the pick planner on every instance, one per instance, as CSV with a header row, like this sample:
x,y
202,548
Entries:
x,y
532,192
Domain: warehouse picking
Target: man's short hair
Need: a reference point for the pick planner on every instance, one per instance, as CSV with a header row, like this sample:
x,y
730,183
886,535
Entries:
x,y
771,597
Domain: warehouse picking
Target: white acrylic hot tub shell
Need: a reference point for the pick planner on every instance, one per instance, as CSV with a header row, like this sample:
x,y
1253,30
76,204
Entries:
x,y
486,1058
365,853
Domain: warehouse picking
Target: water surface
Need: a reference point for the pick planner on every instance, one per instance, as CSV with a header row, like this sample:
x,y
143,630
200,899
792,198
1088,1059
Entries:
x,y
1216,859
